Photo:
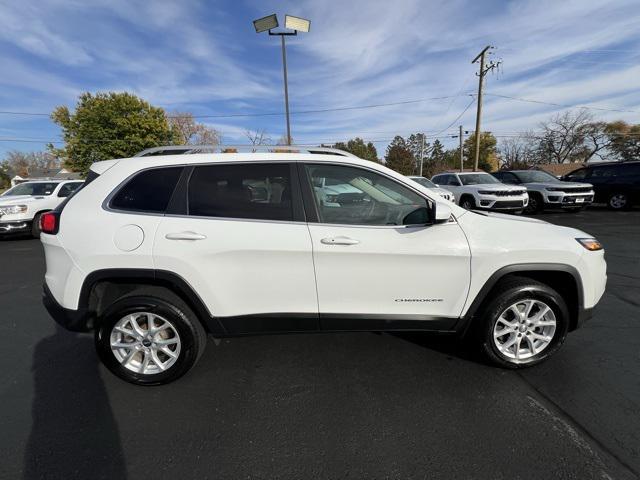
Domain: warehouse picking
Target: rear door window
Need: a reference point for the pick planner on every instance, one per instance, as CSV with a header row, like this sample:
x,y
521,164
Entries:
x,y
259,191
148,191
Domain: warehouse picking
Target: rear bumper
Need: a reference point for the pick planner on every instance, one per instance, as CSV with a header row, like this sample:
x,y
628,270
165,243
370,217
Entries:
x,y
74,320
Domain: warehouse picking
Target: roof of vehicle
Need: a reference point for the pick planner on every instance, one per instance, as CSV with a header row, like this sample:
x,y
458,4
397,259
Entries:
x,y
609,164
470,173
53,180
264,153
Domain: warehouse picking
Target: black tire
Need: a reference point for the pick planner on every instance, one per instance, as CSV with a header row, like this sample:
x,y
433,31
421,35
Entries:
x,y
467,202
510,292
191,334
535,205
35,226
619,201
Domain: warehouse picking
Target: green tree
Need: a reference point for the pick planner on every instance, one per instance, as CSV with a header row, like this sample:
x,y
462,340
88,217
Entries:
x,y
108,125
418,149
624,140
399,157
359,149
488,159
5,176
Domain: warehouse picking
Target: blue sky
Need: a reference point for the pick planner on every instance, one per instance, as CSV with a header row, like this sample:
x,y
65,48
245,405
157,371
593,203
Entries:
x,y
205,57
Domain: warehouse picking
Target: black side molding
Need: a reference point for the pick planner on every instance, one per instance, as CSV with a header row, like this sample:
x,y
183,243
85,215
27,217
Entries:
x,y
465,321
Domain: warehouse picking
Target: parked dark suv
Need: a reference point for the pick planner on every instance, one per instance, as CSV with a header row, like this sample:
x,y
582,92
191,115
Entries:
x,y
616,184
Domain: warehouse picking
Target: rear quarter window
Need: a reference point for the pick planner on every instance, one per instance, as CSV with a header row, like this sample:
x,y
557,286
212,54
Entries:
x,y
148,191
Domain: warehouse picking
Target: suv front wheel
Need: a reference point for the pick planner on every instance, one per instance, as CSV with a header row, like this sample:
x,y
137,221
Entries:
x,y
524,325
149,341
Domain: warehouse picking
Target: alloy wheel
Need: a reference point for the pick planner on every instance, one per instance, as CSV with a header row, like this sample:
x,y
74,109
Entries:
x,y
618,201
524,329
145,343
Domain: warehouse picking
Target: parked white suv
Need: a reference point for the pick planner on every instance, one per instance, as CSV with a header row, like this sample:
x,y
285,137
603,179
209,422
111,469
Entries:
x,y
546,191
425,182
155,252
480,190
22,205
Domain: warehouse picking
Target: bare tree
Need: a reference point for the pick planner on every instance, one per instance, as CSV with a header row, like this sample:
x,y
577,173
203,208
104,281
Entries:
x,y
563,137
189,132
519,151
597,140
258,137
23,163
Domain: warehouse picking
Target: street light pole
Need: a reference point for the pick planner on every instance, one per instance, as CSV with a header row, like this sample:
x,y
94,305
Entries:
x,y
296,24
286,88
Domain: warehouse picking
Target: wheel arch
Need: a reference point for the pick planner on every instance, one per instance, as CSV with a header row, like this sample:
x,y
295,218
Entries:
x,y
102,287
565,279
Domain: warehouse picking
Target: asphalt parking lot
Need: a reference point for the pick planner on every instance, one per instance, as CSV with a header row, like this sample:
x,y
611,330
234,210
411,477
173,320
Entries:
x,y
330,405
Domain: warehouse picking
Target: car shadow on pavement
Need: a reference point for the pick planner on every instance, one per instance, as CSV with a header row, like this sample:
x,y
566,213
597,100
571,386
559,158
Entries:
x,y
449,345
74,433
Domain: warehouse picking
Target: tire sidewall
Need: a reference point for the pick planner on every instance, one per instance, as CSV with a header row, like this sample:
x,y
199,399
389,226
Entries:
x,y
35,226
469,200
514,295
189,347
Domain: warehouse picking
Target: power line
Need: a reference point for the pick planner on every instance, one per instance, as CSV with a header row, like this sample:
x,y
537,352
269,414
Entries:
x,y
269,114
529,100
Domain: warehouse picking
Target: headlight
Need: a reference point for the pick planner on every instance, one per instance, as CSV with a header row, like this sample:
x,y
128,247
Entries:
x,y
486,192
13,209
553,189
590,244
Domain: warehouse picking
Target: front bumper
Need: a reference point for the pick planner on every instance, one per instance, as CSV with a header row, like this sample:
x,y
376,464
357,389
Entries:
x,y
17,226
490,202
74,320
568,200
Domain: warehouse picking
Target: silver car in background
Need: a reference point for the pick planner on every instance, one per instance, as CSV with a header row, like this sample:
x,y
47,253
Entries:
x,y
425,182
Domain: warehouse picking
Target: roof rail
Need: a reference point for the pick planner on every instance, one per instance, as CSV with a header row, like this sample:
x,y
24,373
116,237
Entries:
x,y
192,149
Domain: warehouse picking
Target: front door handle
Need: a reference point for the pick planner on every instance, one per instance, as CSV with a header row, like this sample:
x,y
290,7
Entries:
x,y
339,241
185,236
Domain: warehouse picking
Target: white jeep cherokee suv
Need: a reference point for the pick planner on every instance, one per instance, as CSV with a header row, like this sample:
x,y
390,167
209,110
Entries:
x,y
480,190
153,253
22,205
546,191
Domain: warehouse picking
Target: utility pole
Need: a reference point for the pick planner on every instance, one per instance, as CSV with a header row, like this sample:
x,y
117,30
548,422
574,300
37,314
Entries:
x,y
483,71
421,152
461,154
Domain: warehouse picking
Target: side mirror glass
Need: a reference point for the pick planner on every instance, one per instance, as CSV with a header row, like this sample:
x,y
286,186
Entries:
x,y
442,212
419,216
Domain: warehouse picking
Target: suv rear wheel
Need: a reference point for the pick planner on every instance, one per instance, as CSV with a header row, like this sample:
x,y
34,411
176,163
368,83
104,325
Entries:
x,y
524,325
149,341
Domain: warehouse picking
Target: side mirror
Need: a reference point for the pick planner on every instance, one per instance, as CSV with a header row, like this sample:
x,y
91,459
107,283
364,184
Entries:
x,y
442,212
419,216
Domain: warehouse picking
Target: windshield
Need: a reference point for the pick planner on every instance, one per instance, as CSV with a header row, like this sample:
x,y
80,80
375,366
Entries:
x,y
425,182
478,179
535,176
34,188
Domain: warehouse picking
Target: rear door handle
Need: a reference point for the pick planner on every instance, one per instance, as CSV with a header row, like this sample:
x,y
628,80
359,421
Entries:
x,y
185,236
339,241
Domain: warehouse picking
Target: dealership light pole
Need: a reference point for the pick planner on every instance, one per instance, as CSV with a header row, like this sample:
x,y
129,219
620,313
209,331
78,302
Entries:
x,y
296,24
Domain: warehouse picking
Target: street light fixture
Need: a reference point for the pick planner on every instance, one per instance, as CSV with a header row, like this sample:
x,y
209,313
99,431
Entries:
x,y
296,24
265,23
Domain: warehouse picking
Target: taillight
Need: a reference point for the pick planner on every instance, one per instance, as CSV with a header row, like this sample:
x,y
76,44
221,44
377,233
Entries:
x,y
50,223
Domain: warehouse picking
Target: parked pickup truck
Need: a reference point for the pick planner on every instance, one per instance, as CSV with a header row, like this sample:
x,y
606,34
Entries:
x,y
22,205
